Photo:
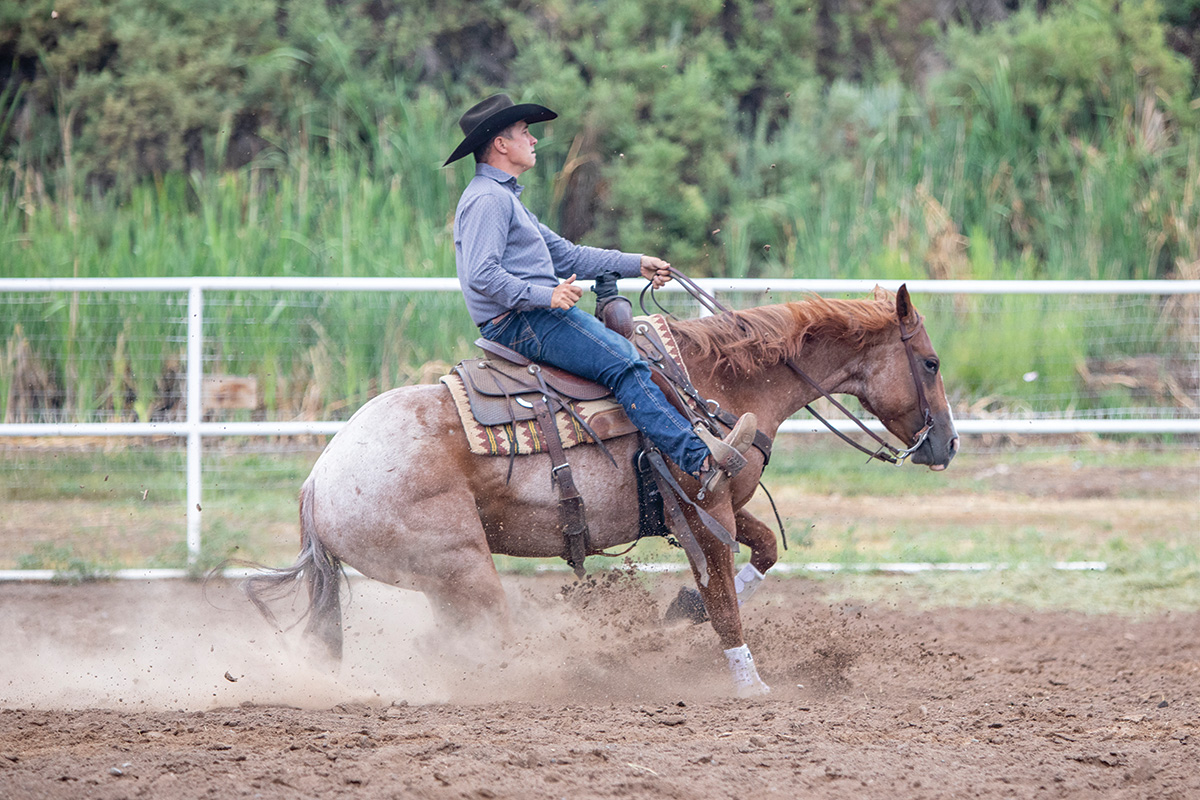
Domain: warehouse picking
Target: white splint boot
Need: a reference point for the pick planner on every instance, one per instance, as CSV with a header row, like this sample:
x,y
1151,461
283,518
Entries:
x,y
746,582
745,675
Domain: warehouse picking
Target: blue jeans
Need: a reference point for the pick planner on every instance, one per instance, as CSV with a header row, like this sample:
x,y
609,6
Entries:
x,y
579,343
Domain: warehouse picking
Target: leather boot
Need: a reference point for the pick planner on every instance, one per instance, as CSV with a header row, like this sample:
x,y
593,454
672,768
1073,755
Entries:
x,y
726,456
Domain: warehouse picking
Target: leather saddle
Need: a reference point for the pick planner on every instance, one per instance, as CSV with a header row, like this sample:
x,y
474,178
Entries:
x,y
495,386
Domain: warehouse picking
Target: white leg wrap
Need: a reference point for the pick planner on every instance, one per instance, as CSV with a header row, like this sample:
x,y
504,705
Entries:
x,y
745,674
746,582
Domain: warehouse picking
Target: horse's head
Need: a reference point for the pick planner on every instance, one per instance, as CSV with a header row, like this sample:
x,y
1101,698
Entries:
x,y
904,388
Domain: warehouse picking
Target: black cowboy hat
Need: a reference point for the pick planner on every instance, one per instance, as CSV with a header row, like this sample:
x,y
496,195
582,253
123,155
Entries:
x,y
486,119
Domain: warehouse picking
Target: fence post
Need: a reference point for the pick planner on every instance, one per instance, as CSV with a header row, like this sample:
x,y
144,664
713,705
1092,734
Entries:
x,y
195,413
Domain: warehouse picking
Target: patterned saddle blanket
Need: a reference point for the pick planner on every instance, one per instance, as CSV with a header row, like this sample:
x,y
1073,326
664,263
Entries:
x,y
493,399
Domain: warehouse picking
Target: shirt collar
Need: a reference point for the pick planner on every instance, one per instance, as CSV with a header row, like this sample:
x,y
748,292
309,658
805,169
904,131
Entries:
x,y
499,176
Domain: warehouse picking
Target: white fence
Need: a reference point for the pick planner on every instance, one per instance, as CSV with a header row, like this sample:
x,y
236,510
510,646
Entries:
x,y
194,429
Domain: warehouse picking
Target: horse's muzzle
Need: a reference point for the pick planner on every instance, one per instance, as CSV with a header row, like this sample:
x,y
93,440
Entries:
x,y
936,451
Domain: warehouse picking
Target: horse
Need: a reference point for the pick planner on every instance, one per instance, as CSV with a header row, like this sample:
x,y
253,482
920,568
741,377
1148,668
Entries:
x,y
398,495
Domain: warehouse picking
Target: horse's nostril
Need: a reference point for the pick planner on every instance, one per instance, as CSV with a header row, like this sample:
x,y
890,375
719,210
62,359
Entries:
x,y
954,446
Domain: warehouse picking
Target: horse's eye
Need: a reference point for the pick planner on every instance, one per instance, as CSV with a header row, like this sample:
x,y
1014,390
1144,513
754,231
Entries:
x,y
931,364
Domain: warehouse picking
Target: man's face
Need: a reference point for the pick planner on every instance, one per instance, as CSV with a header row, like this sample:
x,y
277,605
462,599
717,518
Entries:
x,y
518,144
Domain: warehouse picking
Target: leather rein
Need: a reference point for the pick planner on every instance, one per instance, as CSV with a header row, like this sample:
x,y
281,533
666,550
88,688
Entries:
x,y
885,451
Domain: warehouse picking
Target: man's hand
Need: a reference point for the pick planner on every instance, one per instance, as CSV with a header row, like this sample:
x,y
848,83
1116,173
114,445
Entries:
x,y
567,294
656,271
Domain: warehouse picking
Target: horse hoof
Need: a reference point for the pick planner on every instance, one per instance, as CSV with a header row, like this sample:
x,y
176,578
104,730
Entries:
x,y
687,605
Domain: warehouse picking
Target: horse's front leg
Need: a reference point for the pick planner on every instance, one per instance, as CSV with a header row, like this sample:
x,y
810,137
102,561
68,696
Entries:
x,y
764,553
721,601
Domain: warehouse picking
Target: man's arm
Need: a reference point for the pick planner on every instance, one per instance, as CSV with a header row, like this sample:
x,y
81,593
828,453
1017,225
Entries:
x,y
654,269
587,262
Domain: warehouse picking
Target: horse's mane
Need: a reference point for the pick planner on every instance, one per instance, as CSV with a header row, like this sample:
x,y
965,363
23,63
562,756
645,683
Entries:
x,y
760,337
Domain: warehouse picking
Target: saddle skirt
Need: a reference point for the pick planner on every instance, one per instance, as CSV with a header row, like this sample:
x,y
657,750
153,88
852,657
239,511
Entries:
x,y
493,399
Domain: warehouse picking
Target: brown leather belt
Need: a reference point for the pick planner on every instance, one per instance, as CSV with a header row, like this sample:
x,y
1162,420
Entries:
x,y
495,320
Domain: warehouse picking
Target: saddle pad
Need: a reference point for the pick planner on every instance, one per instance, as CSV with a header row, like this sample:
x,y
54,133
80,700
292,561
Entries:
x,y
605,416
657,326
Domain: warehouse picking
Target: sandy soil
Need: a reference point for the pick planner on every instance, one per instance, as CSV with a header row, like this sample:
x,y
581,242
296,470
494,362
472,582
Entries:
x,y
164,690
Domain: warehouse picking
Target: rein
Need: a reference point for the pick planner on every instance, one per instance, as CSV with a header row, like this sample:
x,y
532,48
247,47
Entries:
x,y
885,451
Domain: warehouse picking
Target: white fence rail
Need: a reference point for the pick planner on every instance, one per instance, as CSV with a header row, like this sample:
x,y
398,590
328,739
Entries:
x,y
194,429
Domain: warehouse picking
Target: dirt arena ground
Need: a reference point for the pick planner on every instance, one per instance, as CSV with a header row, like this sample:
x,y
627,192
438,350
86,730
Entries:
x,y
163,690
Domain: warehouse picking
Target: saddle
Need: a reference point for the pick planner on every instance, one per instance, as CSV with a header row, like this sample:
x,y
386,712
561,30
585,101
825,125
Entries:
x,y
495,395
498,388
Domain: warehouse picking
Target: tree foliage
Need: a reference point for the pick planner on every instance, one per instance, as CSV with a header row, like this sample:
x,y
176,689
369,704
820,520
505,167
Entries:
x,y
705,130
1075,108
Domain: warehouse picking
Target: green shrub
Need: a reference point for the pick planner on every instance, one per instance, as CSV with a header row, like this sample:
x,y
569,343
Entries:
x,y
1080,125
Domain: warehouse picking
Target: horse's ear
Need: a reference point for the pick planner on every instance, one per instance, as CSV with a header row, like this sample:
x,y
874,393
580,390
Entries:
x,y
904,306
881,294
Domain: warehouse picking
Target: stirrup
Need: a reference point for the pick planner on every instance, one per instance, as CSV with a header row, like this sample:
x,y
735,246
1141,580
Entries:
x,y
726,456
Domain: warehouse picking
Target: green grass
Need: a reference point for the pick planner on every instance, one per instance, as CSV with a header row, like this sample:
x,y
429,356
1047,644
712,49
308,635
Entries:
x,y
823,465
68,567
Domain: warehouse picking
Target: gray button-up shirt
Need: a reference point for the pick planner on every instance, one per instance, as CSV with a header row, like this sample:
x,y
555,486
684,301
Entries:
x,y
507,260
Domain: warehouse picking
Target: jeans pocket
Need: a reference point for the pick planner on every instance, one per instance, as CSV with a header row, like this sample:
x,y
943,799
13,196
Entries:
x,y
494,331
524,335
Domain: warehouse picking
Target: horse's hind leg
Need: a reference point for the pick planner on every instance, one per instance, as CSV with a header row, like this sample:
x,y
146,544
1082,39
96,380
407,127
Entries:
x,y
469,595
456,572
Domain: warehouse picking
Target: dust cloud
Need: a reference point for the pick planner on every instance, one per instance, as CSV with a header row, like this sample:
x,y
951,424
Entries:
x,y
175,645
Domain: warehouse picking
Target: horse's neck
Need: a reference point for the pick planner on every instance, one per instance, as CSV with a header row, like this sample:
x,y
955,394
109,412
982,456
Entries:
x,y
775,392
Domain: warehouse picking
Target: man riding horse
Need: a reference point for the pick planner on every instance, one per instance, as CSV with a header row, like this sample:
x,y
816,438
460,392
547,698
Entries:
x,y
509,265
401,494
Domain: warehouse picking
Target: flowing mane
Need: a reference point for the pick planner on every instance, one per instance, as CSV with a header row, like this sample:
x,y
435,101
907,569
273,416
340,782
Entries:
x,y
769,335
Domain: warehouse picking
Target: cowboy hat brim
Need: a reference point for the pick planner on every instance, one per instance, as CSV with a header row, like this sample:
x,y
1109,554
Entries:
x,y
489,127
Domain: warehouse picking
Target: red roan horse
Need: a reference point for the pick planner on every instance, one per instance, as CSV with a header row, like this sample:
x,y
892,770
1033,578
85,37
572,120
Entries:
x,y
398,495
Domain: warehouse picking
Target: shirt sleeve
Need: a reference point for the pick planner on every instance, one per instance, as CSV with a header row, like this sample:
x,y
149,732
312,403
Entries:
x,y
587,262
485,221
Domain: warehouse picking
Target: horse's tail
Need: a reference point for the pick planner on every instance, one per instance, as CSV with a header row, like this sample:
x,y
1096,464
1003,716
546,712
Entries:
x,y
321,572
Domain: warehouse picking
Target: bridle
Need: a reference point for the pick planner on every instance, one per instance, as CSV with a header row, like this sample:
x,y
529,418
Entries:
x,y
885,451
